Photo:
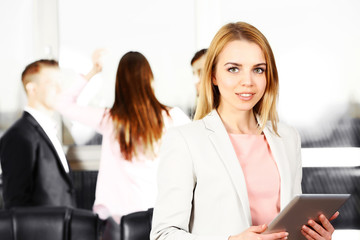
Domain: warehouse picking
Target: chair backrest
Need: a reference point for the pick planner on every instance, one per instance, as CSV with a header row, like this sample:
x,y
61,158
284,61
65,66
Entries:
x,y
136,226
337,180
48,223
1,195
85,184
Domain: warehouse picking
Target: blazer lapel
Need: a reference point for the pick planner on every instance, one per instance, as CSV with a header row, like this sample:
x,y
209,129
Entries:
x,y
221,141
278,151
49,143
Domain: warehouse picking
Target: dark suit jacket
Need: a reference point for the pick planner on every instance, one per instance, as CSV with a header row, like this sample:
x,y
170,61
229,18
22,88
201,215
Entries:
x,y
33,174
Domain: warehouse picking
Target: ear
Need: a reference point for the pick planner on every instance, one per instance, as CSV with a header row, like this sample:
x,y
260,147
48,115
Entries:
x,y
30,87
213,80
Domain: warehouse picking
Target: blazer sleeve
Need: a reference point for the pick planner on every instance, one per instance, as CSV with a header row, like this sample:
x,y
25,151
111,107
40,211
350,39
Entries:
x,y
176,184
298,177
18,167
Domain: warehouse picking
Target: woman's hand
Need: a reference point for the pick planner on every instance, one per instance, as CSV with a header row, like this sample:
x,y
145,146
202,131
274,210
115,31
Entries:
x,y
254,233
319,232
97,60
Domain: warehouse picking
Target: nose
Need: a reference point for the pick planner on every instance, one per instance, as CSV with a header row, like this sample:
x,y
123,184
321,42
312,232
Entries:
x,y
245,79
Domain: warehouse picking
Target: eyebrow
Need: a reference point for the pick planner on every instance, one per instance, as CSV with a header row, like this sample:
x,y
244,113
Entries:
x,y
237,64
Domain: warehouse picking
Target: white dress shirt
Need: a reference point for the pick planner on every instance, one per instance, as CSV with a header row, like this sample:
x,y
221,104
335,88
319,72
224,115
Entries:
x,y
49,126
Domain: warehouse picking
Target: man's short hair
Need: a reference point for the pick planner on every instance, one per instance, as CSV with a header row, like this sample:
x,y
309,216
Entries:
x,y
198,55
35,67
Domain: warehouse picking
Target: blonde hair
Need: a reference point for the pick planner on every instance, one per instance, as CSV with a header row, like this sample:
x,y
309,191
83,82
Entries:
x,y
209,96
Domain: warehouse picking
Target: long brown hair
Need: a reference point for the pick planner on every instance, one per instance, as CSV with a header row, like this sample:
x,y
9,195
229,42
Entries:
x,y
136,113
209,96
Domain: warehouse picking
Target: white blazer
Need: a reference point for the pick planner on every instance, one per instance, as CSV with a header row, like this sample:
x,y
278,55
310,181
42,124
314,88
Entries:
x,y
201,186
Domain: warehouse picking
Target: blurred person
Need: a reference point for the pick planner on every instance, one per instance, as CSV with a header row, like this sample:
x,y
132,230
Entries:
x,y
230,172
132,130
35,169
197,65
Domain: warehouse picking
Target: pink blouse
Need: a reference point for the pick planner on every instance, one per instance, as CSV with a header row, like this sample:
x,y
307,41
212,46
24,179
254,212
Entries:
x,y
261,176
122,186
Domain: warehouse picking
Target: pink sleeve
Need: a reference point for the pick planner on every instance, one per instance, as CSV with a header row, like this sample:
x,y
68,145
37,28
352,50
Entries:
x,y
66,104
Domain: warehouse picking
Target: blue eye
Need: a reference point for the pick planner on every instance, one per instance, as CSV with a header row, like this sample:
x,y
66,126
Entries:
x,y
259,70
233,69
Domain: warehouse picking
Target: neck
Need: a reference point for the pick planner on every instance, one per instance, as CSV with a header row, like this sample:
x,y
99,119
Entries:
x,y
41,108
240,122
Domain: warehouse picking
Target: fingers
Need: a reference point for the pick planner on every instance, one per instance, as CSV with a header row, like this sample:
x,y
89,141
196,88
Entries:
x,y
325,230
334,216
98,67
326,224
279,235
309,233
97,54
316,229
97,59
306,235
268,236
254,233
258,229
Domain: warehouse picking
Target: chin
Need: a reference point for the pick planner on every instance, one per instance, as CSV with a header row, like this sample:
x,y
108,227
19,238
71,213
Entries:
x,y
244,108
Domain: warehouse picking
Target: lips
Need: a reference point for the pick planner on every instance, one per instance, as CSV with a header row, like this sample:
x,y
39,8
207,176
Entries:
x,y
245,96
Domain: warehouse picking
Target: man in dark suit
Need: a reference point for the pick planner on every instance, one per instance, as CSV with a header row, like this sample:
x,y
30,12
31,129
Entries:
x,y
35,170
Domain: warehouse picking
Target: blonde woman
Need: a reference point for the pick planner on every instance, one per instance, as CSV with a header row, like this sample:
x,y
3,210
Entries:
x,y
229,173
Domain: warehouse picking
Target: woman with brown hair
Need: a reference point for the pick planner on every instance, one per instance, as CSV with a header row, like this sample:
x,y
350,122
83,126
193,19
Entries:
x,y
233,169
132,130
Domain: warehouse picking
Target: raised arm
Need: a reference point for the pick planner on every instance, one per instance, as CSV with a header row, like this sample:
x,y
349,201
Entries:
x,y
97,64
67,105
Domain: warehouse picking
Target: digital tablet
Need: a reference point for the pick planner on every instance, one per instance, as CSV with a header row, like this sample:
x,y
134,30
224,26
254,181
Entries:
x,y
302,208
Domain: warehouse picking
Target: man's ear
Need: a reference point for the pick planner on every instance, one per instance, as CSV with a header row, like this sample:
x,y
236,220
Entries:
x,y
30,88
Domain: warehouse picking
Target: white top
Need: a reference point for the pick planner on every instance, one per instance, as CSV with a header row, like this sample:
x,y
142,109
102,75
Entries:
x,y
49,127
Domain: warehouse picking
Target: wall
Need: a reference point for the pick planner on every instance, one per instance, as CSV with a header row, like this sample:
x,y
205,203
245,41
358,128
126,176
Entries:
x,y
315,45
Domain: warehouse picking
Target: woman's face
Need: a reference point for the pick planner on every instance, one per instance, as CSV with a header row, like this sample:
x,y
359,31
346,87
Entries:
x,y
240,75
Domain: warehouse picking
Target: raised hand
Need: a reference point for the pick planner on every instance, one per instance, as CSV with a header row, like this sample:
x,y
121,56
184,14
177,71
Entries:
x,y
97,60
